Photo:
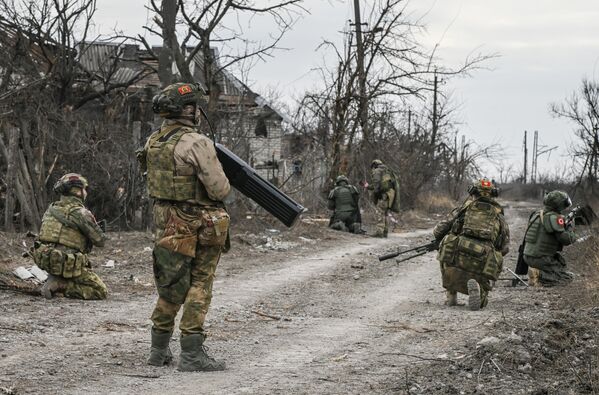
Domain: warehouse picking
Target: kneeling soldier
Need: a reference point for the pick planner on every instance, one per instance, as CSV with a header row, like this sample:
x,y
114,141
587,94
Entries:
x,y
67,235
473,242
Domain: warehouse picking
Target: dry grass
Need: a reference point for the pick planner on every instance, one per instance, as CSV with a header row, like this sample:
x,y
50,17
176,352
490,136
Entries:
x,y
434,202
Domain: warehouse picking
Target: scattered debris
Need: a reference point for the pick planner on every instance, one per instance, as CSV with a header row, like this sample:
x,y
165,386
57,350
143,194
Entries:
x,y
109,263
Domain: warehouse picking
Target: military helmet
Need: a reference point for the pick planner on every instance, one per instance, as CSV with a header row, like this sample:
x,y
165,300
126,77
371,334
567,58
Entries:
x,y
376,163
557,200
483,187
341,179
170,101
70,181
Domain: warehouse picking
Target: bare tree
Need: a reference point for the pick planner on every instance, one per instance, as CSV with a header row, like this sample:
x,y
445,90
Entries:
x,y
582,109
45,89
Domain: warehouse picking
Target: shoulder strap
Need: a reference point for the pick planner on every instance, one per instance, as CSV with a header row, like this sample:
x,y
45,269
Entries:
x,y
60,217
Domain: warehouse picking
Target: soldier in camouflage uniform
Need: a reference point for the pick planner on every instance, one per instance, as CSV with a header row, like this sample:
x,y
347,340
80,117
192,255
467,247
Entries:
x,y
473,241
546,235
188,185
67,235
343,199
385,188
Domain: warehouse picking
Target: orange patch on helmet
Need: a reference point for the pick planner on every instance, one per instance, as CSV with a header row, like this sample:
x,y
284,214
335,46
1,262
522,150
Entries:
x,y
185,89
486,183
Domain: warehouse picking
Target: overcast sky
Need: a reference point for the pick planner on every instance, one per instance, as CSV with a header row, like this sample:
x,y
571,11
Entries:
x,y
546,47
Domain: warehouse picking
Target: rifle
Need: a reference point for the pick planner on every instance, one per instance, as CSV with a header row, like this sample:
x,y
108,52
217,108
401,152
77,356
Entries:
x,y
419,250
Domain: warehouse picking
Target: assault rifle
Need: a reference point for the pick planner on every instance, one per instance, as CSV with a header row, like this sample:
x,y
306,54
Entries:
x,y
419,250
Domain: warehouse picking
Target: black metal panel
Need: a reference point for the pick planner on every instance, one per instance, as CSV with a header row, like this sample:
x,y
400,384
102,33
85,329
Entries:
x,y
251,184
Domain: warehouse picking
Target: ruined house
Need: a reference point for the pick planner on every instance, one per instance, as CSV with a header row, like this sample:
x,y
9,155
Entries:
x,y
247,123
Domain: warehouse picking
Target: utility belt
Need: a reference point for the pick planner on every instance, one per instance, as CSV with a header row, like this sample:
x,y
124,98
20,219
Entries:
x,y
186,225
59,260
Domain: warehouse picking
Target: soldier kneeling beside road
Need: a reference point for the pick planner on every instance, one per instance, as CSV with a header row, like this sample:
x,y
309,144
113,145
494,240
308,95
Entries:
x,y
547,233
473,242
67,235
343,199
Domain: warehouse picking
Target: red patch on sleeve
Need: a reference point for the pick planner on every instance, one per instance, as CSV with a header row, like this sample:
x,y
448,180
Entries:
x,y
560,221
185,89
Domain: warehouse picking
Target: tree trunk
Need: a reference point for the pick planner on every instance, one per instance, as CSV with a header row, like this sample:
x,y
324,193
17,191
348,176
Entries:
x,y
11,177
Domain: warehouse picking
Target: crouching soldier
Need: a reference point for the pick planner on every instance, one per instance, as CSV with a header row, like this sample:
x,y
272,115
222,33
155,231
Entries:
x,y
67,235
343,199
473,242
546,235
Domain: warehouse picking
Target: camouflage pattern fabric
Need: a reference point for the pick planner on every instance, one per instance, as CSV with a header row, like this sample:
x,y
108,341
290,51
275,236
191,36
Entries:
x,y
547,271
456,268
87,286
197,299
68,233
382,211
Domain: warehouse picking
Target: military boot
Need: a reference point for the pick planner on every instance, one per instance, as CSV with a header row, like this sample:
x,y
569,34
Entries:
x,y
452,298
473,295
193,355
160,352
52,285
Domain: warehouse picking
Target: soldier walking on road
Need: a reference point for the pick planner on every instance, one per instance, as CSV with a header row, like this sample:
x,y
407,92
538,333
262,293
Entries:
x,y
546,235
343,199
68,233
385,193
473,241
188,185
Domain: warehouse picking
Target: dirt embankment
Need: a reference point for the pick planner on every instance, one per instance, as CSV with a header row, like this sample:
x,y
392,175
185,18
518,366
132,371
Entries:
x,y
312,311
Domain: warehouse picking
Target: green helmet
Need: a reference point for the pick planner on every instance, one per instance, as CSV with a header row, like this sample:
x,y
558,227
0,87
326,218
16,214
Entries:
x,y
69,181
557,200
376,163
170,101
341,179
483,187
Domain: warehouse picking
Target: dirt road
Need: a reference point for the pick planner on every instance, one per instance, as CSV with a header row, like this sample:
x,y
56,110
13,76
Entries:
x,y
311,317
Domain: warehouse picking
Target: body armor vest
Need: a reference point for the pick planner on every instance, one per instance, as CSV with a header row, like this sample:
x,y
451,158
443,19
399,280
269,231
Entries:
x,y
480,221
344,200
165,180
472,244
53,230
538,241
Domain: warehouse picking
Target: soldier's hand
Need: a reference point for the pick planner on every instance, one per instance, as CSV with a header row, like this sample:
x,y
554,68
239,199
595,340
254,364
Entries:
x,y
102,224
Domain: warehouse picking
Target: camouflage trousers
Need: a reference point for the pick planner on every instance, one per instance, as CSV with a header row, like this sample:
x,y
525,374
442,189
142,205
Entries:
x,y
347,221
547,271
87,286
382,210
197,299
455,280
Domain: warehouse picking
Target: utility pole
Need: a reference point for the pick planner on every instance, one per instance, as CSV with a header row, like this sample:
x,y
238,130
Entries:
x,y
361,74
409,122
525,158
535,157
435,120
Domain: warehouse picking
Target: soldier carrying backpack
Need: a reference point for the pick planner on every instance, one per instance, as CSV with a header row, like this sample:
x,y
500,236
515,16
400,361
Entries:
x,y
473,242
385,193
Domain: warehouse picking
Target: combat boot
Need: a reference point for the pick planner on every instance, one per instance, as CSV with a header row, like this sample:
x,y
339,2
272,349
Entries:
x,y
194,357
52,285
473,295
452,299
160,352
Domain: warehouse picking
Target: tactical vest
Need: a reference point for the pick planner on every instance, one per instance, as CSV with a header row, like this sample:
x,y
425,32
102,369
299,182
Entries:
x,y
344,200
55,231
471,244
538,241
165,181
